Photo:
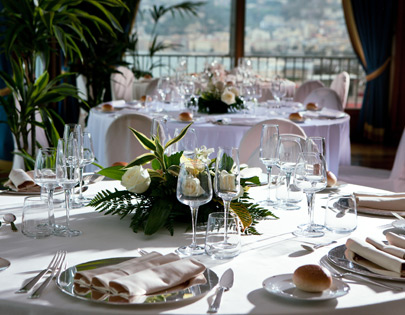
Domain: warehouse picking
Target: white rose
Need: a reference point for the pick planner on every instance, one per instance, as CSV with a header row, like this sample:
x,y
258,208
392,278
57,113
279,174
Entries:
x,y
228,97
234,90
191,187
136,179
227,181
220,86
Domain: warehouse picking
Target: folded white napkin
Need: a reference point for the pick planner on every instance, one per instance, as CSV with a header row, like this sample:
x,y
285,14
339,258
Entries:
x,y
172,276
374,259
395,240
85,277
381,201
19,180
390,249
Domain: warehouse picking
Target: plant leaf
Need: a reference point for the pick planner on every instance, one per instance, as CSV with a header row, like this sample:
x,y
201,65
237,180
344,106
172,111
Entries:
x,y
114,172
143,140
159,213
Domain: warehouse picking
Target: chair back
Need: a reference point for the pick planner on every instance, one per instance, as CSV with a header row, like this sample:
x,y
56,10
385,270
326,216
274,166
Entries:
x,y
121,144
398,169
341,84
306,88
249,147
325,97
122,84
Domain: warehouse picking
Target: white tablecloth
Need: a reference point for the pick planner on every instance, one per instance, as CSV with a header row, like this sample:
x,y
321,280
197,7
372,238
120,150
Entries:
x,y
335,131
274,252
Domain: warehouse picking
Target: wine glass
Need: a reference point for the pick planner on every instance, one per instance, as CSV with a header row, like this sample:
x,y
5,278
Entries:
x,y
289,150
310,176
227,178
278,89
164,87
194,188
316,145
86,155
68,175
45,176
186,89
159,128
269,143
187,144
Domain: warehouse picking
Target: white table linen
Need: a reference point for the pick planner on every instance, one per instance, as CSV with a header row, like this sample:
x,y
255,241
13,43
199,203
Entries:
x,y
335,131
274,252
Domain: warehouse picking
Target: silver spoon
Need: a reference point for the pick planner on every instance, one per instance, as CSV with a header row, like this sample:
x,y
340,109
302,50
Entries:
x,y
312,248
10,218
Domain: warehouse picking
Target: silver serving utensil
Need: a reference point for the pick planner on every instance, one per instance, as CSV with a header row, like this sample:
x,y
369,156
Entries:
x,y
225,283
397,215
316,246
9,218
349,275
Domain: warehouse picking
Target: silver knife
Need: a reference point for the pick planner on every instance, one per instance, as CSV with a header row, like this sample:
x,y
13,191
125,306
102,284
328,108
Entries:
x,y
225,284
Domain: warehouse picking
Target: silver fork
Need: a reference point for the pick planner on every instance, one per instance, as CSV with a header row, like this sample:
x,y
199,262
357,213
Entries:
x,y
349,275
38,277
56,270
142,252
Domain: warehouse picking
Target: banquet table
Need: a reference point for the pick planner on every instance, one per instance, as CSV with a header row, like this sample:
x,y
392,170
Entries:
x,y
276,251
213,135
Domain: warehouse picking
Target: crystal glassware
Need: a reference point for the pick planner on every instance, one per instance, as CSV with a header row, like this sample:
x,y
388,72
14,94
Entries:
x,y
227,178
86,157
45,176
68,176
194,188
35,218
278,89
289,150
187,144
164,87
186,89
310,176
269,143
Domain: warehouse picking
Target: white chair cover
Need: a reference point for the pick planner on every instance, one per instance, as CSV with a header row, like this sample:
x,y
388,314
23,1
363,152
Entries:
x,y
306,88
341,84
122,84
151,89
325,97
121,144
393,180
249,147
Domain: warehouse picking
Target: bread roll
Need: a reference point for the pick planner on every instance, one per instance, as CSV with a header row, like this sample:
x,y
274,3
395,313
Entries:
x,y
107,108
185,116
120,164
332,180
312,278
296,117
143,98
312,106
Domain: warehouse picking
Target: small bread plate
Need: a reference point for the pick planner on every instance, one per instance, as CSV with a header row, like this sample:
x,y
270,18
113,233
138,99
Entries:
x,y
283,286
66,285
399,224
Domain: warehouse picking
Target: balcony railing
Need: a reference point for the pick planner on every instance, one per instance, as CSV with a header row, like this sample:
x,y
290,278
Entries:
x,y
295,68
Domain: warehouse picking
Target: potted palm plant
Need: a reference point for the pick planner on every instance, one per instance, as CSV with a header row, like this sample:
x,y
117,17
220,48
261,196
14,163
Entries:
x,y
31,32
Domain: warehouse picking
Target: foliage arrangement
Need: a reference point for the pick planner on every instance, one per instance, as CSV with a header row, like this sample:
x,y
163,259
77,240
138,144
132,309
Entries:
x,y
151,193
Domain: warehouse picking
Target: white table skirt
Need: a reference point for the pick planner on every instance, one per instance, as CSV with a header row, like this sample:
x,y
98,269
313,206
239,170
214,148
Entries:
x,y
274,252
335,131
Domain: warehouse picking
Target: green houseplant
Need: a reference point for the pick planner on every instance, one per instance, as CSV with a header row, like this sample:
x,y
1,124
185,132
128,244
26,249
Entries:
x,y
31,32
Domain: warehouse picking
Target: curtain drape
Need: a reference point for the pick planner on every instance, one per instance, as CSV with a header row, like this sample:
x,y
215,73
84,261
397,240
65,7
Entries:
x,y
370,26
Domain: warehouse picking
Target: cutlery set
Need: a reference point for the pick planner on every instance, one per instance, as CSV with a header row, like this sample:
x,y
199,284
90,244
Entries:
x,y
55,267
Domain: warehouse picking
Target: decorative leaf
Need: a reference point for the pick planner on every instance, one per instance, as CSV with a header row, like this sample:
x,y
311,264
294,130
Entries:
x,y
157,217
179,137
142,159
114,172
143,140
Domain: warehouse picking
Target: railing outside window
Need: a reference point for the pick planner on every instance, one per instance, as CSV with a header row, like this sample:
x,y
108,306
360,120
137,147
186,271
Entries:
x,y
295,68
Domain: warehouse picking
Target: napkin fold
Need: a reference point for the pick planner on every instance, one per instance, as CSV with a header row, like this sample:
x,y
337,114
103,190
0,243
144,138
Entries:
x,y
395,240
373,259
390,249
380,201
21,181
172,276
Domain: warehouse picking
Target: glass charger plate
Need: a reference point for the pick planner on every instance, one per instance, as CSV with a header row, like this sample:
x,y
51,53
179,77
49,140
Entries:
x,y
65,284
282,285
337,257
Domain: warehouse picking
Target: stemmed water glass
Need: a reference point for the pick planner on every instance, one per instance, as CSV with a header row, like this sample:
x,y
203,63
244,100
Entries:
x,y
86,156
289,150
164,87
310,176
186,89
45,176
278,89
227,178
68,176
269,143
194,188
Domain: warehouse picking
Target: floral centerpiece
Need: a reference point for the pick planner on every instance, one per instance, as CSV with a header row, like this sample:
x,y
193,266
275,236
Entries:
x,y
150,193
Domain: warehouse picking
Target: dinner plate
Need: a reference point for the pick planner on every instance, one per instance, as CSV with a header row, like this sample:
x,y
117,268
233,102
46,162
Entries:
x,y
399,224
4,264
337,257
65,284
283,286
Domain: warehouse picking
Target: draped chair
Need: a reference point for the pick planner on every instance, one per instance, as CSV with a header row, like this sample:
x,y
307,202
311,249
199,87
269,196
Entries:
x,y
341,84
393,180
122,84
325,97
249,147
305,89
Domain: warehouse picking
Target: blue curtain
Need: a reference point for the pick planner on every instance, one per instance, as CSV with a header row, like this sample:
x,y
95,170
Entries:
x,y
374,20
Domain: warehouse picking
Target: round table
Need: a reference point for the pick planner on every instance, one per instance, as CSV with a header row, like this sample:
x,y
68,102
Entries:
x,y
211,133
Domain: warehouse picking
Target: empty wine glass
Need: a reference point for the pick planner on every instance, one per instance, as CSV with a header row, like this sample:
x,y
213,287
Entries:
x,y
86,152
316,145
278,89
159,128
187,144
45,176
194,188
164,87
68,176
269,143
310,176
289,150
227,178
186,89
